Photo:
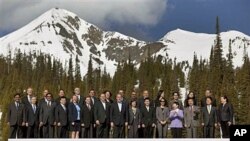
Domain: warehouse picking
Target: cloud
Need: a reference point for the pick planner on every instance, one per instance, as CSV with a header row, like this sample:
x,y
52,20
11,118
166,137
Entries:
x,y
17,13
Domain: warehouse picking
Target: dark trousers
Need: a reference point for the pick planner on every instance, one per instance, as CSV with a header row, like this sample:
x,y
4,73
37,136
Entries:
x,y
40,132
62,132
102,130
32,131
148,132
176,132
119,131
48,131
225,129
16,131
133,131
87,132
208,132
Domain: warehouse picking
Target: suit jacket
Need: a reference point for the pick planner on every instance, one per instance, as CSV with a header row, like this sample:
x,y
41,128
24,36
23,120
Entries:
x,y
208,119
61,115
100,113
119,117
16,116
148,117
72,112
203,102
81,101
95,100
225,113
25,100
134,118
46,114
110,101
31,116
192,117
141,104
162,115
57,100
87,116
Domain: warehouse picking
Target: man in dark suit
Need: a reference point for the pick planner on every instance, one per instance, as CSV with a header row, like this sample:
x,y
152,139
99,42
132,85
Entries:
x,y
140,101
140,105
62,94
26,100
80,98
133,96
148,119
61,118
225,116
208,119
87,119
44,99
119,117
32,118
102,117
40,102
16,118
47,118
92,97
208,93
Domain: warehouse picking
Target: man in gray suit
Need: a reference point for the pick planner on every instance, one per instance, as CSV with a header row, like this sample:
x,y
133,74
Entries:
x,y
16,118
47,118
209,119
191,114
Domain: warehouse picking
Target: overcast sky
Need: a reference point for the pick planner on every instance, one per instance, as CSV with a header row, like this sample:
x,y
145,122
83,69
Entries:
x,y
143,19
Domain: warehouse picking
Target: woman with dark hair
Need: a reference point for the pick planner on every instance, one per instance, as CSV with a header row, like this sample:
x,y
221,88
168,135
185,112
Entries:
x,y
176,98
225,116
134,120
162,114
160,95
108,95
190,95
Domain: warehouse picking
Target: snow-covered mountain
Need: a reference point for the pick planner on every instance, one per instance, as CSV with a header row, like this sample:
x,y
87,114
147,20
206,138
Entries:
x,y
62,34
182,45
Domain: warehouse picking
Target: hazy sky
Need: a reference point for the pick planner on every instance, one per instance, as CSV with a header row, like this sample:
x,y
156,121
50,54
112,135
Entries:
x,y
143,19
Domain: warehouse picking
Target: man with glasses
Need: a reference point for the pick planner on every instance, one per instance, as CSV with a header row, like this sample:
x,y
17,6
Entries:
x,y
46,117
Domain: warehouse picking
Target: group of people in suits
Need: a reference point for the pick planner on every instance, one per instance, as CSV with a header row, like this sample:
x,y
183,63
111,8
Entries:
x,y
102,117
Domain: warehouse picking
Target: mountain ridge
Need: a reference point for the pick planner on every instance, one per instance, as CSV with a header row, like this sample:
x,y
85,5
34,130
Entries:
x,y
63,34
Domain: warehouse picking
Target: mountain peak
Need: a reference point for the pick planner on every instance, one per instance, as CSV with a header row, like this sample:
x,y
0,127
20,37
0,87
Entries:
x,y
62,34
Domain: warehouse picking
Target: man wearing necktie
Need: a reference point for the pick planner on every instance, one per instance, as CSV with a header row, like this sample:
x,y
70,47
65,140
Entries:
x,y
208,119
80,98
119,117
32,119
87,121
102,117
148,119
26,100
191,114
47,118
61,118
225,114
16,118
